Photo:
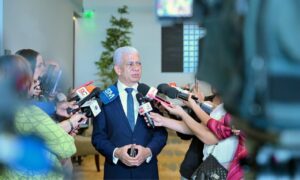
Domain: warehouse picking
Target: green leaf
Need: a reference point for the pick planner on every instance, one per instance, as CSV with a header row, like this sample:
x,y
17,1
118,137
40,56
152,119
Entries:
x,y
116,36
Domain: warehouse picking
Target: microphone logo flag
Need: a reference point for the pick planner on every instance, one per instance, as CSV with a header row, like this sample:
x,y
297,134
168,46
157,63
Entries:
x,y
152,93
82,92
145,108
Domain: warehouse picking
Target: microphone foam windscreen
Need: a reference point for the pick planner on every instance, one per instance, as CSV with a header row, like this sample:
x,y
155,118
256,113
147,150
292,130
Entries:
x,y
162,88
139,98
143,89
90,88
172,93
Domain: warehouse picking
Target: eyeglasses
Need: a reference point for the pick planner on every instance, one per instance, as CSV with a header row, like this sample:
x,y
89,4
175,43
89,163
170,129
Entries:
x,y
131,64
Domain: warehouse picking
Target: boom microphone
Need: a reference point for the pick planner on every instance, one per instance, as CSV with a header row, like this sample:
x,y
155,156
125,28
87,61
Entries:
x,y
145,108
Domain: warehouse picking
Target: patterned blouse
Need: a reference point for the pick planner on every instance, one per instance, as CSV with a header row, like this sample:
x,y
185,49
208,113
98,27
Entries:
x,y
60,145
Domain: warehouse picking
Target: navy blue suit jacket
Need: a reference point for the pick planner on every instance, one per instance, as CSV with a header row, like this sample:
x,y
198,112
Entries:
x,y
112,130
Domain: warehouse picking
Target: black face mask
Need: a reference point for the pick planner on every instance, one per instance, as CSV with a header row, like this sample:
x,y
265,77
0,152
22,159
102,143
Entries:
x,y
210,98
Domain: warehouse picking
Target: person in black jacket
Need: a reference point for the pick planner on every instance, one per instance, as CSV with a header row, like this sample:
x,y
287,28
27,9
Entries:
x,y
193,157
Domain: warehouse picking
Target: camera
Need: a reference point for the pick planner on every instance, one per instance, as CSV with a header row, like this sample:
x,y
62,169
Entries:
x,y
49,81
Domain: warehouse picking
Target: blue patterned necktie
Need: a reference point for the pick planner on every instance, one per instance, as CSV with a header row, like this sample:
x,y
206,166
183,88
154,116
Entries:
x,y
130,108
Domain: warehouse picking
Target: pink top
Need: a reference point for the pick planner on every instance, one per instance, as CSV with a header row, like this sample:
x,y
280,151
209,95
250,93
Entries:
x,y
222,130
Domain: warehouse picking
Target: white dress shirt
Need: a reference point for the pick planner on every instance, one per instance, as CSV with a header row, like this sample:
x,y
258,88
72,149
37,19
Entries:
x,y
123,96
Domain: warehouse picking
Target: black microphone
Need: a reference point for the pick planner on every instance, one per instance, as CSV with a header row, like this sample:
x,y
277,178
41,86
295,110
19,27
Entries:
x,y
150,93
173,93
95,93
145,108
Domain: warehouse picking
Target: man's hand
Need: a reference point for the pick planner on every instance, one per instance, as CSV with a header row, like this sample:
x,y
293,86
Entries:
x,y
61,108
122,155
143,154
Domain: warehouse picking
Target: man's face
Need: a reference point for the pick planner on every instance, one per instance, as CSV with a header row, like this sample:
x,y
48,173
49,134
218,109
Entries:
x,y
130,69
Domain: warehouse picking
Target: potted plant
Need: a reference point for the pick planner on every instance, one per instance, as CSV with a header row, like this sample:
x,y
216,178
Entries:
x,y
116,36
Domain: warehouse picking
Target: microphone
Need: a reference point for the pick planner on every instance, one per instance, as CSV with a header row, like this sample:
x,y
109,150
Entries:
x,y
150,93
91,92
76,97
173,93
87,102
145,108
92,107
109,94
206,107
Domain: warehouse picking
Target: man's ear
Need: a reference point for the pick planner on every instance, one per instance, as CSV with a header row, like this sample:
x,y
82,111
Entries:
x,y
117,70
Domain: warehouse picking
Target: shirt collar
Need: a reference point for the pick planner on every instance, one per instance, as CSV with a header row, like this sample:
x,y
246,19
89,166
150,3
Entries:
x,y
122,86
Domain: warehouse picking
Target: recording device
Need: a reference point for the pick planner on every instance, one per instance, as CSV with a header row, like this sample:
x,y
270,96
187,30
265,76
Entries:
x,y
145,108
150,93
132,152
49,81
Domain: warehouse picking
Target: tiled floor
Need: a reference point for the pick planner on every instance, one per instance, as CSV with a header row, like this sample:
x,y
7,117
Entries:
x,y
168,161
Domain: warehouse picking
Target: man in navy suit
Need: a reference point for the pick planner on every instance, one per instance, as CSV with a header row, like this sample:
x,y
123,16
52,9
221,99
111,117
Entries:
x,y
119,127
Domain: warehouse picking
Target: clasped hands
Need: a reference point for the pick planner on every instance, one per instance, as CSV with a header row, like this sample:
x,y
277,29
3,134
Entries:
x,y
142,154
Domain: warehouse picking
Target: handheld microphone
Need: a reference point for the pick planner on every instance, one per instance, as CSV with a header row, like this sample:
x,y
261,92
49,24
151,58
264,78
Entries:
x,y
86,94
150,93
109,94
91,94
80,89
86,84
173,93
145,108
92,107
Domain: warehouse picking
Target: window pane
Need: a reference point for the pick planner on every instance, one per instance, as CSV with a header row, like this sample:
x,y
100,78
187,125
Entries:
x,y
191,37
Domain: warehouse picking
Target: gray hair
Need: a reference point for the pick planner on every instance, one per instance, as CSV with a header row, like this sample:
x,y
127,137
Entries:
x,y
118,54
